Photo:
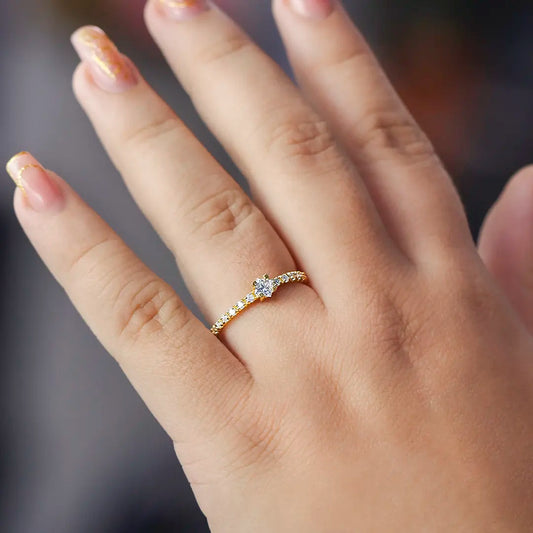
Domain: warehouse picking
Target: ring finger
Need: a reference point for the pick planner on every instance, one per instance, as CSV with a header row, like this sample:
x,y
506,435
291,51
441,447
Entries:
x,y
214,230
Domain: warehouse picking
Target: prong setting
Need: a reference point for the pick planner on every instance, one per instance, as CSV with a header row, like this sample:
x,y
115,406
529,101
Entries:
x,y
263,288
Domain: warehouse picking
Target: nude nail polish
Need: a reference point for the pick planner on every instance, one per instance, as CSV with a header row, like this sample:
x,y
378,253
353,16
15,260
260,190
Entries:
x,y
108,67
317,9
183,9
41,192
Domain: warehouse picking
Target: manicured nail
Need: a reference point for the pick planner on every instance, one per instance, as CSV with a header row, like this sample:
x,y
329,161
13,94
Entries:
x,y
183,9
110,70
31,178
317,9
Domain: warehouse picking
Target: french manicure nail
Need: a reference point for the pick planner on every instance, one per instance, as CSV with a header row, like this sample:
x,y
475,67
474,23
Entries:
x,y
109,69
183,9
30,177
317,9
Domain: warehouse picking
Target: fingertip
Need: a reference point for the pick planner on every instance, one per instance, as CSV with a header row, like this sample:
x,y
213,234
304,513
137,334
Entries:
x,y
20,204
92,98
101,55
505,237
506,244
515,203
157,12
81,80
77,37
520,182
278,7
149,14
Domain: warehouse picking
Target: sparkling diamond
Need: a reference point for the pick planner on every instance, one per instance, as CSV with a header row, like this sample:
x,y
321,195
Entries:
x,y
241,305
264,288
285,278
232,312
250,298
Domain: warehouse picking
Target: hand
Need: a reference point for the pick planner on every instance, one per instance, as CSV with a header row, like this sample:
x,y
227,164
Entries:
x,y
394,392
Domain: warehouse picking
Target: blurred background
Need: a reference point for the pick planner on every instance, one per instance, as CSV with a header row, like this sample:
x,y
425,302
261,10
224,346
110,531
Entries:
x,y
79,452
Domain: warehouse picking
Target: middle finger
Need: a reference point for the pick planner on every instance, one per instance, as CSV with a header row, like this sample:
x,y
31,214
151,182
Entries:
x,y
304,183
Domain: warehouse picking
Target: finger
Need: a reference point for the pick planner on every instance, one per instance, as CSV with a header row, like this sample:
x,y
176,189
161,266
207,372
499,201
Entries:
x,y
300,178
343,79
506,246
187,378
214,230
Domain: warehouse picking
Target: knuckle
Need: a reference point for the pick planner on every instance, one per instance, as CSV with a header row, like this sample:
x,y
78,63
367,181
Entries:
x,y
223,49
155,131
393,133
351,59
465,288
260,441
222,212
145,307
395,331
396,321
90,256
304,140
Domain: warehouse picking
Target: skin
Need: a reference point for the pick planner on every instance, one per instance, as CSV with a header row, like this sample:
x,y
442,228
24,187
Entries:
x,y
392,393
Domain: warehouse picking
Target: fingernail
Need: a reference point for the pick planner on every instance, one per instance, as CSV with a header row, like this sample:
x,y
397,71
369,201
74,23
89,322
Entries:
x,y
31,178
110,70
317,9
183,9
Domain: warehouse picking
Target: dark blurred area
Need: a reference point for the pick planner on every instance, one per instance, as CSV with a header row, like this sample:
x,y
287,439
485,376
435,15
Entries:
x,y
79,452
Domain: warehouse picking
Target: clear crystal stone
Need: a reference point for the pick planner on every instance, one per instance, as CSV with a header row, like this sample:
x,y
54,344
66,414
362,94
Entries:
x,y
232,312
250,298
285,278
241,305
264,288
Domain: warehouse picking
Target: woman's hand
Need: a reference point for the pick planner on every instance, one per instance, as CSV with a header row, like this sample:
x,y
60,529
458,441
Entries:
x,y
392,393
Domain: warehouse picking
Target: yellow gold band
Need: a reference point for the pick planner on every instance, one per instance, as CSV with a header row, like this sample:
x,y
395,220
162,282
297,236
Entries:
x,y
263,288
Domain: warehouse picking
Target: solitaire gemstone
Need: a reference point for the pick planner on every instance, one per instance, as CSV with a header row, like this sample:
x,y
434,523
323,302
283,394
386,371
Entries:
x,y
264,288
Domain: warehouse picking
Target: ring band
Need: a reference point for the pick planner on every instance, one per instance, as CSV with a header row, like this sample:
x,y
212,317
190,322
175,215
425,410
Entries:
x,y
263,288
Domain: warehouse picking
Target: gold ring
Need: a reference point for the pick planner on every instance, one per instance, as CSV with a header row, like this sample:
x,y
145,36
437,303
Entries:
x,y
263,288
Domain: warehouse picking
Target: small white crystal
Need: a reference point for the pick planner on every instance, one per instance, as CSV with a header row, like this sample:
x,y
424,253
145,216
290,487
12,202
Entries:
x,y
264,288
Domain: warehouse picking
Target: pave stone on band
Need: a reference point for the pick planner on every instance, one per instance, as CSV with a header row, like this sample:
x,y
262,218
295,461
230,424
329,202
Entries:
x,y
263,288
